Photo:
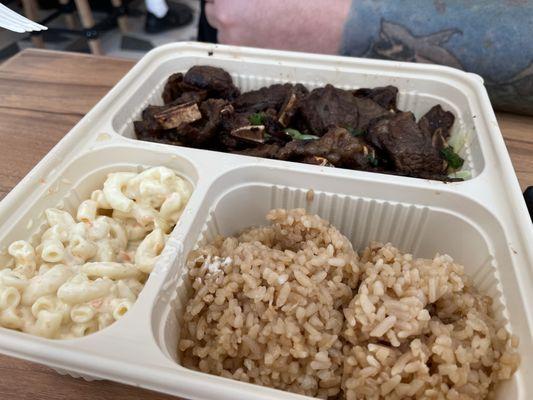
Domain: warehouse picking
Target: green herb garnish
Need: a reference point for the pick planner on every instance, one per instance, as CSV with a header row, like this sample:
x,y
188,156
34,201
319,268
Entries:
x,y
297,135
372,160
453,159
256,118
308,137
355,131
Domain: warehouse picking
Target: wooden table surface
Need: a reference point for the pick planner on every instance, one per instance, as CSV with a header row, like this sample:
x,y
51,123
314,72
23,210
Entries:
x,y
42,95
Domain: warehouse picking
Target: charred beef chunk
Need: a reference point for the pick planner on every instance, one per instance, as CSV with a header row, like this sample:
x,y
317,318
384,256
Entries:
x,y
215,81
250,133
315,160
235,120
368,111
226,142
436,119
436,124
409,149
176,91
148,129
190,97
291,104
202,132
259,100
170,116
272,97
173,88
337,147
274,128
269,119
263,151
237,132
251,129
329,106
144,132
190,124
243,136
148,117
176,115
385,96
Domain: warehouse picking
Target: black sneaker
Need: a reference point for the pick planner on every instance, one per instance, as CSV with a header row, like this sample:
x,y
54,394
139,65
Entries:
x,y
48,4
178,15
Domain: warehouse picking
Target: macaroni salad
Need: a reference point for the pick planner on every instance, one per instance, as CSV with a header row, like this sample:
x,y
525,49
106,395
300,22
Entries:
x,y
88,269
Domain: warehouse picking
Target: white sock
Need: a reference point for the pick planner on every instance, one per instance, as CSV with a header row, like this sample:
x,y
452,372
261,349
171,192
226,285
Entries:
x,y
157,7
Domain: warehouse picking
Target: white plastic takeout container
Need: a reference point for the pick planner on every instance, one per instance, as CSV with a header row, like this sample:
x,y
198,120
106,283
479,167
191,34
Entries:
x,y
482,222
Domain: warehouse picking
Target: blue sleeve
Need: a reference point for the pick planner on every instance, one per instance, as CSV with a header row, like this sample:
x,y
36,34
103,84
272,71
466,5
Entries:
x,y
493,38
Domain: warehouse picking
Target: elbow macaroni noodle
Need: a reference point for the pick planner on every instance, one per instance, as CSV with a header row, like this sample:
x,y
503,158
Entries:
x,y
87,271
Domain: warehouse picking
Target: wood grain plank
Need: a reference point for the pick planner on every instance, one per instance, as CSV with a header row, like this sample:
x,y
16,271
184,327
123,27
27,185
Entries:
x,y
49,97
25,137
69,68
517,131
35,381
58,82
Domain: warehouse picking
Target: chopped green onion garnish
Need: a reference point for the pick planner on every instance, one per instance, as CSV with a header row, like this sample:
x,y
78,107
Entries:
x,y
372,160
453,159
297,135
256,119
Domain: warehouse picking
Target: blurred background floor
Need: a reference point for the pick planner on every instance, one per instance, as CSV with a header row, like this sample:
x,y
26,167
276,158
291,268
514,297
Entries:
x,y
133,44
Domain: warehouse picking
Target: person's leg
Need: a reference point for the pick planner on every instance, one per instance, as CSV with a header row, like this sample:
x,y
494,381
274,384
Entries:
x,y
206,33
161,16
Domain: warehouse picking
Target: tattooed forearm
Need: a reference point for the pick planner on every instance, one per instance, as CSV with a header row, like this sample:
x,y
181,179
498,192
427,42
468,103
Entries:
x,y
492,38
